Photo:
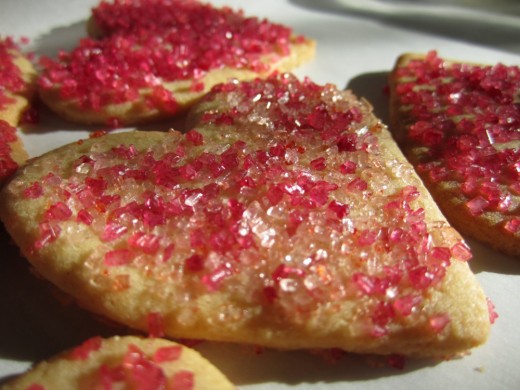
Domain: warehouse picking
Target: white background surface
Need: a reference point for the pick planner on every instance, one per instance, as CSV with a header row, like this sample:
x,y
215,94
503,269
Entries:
x,y
358,42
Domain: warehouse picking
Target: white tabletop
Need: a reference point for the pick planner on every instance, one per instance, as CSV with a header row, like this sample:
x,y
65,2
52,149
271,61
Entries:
x,y
358,42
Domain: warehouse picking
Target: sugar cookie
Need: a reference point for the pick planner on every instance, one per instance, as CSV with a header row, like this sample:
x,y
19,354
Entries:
x,y
157,57
287,217
17,87
459,125
124,363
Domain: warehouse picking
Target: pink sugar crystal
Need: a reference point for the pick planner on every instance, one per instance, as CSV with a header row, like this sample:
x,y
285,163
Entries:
x,y
34,191
183,380
83,351
460,251
144,374
168,354
194,263
155,325
406,304
438,322
492,313
113,231
512,225
118,257
148,243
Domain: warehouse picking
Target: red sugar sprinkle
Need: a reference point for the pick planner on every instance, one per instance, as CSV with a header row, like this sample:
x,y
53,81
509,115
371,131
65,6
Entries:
x,y
357,184
109,376
365,283
113,231
367,237
492,313
274,194
148,243
163,99
194,263
421,277
183,380
124,152
347,143
441,254
155,325
460,251
97,186
319,164
406,304
49,232
168,354
118,257
58,212
34,191
98,134
83,351
213,280
439,322
477,205
513,225
195,137
348,167
144,373
284,271
383,314
84,217
341,210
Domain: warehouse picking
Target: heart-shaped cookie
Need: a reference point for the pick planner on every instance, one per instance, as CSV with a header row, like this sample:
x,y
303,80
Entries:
x,y
286,217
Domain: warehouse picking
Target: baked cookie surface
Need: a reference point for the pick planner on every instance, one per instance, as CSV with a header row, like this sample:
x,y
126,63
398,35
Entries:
x,y
459,125
124,363
155,58
287,217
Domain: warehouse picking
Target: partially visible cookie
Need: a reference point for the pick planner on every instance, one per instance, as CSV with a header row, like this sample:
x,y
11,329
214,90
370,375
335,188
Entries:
x,y
17,82
459,124
12,152
17,88
124,363
287,217
155,58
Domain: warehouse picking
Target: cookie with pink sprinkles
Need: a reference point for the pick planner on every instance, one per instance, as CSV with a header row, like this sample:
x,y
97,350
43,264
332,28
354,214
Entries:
x,y
152,59
17,88
287,217
459,124
128,362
